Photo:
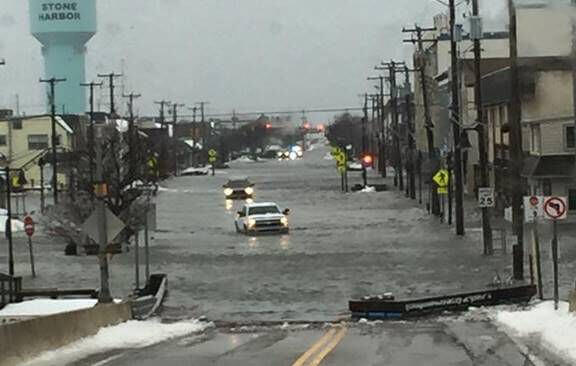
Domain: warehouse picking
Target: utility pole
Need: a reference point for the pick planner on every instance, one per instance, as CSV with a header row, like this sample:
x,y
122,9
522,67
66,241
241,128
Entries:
x,y
482,130
203,121
364,121
91,129
382,147
111,76
104,295
515,121
455,120
410,135
52,82
163,104
393,68
131,133
174,158
194,110
420,64
175,107
163,150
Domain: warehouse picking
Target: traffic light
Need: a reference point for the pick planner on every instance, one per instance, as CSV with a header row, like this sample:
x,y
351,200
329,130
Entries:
x,y
367,160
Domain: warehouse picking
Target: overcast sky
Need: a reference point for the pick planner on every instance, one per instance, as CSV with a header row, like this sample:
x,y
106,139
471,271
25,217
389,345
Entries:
x,y
238,54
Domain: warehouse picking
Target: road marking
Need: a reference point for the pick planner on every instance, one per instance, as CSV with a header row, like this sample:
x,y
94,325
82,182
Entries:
x,y
330,347
322,347
315,347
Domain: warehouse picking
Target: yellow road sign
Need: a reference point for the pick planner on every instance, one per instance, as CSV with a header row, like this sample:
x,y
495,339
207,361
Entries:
x,y
212,152
212,159
340,157
342,168
442,190
442,178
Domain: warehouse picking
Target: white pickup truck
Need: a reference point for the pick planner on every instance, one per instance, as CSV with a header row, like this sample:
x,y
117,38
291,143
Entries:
x,y
264,217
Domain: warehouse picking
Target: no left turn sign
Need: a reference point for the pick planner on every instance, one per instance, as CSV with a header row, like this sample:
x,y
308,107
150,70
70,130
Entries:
x,y
556,208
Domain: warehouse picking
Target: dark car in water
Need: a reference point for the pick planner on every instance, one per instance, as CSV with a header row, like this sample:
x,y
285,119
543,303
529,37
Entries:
x,y
238,188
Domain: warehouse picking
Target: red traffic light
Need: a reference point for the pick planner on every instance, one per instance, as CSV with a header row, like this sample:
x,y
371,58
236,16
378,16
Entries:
x,y
268,125
367,160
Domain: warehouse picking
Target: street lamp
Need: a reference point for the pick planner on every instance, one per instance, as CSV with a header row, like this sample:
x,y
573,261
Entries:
x,y
4,163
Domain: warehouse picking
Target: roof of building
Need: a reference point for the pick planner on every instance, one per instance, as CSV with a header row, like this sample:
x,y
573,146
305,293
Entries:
x,y
59,120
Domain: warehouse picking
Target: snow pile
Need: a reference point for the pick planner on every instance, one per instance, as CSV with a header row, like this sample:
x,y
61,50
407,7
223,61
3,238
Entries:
x,y
17,225
555,329
41,307
245,159
132,334
368,189
192,170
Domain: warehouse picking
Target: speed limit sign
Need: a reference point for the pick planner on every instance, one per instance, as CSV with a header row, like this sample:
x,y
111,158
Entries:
x,y
486,197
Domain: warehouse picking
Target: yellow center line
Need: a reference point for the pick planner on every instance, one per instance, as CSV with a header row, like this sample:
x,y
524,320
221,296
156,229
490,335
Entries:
x,y
315,347
329,348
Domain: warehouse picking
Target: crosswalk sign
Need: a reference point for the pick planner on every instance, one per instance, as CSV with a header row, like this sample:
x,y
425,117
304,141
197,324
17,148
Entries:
x,y
442,178
212,153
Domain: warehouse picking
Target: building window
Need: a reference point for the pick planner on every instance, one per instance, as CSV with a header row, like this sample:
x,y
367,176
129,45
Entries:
x,y
37,142
572,199
17,124
569,137
2,140
536,138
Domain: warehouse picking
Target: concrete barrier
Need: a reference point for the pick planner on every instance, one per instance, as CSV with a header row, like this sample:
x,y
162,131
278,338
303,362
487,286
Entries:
x,y
26,339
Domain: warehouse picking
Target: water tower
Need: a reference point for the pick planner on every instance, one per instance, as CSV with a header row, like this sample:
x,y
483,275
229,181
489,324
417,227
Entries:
x,y
64,27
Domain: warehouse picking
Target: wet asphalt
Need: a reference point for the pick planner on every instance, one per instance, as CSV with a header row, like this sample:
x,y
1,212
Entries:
x,y
341,246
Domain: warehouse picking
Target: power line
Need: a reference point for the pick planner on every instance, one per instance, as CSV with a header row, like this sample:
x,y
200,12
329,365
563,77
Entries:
x,y
314,110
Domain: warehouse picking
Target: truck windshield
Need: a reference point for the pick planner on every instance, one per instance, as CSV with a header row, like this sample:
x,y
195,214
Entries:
x,y
263,210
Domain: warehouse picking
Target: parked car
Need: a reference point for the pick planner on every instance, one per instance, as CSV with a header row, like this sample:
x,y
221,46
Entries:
x,y
238,188
196,171
266,217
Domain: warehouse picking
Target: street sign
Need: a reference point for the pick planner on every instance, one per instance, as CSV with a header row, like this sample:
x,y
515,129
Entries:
x,y
486,197
533,208
29,226
342,168
556,208
442,178
442,190
212,159
113,226
212,153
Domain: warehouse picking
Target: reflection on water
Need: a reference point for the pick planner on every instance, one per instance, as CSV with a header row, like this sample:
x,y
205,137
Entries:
x,y
229,205
253,242
232,205
285,242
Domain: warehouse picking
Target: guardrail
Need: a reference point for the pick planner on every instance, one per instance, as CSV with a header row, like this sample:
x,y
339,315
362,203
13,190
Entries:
x,y
10,288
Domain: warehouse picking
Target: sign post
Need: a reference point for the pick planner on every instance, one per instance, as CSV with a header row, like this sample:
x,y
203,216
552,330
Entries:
x,y
212,157
339,155
533,209
29,229
555,208
486,197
